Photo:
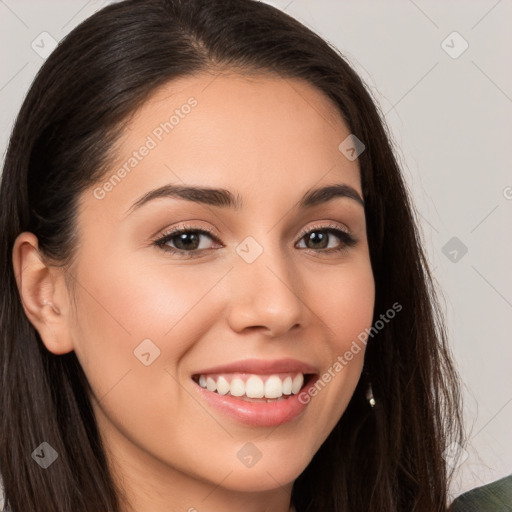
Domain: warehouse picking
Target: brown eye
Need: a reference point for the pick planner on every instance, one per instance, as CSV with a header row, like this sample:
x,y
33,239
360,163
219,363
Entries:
x,y
323,239
185,241
317,239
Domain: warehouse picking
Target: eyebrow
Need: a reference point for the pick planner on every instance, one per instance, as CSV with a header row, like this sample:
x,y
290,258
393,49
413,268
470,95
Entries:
x,y
224,198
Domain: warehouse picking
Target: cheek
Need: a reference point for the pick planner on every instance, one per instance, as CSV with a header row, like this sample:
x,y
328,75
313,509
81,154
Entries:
x,y
343,298
136,321
125,303
159,311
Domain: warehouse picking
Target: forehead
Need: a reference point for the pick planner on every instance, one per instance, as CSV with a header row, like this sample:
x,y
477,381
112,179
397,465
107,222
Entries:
x,y
236,96
254,135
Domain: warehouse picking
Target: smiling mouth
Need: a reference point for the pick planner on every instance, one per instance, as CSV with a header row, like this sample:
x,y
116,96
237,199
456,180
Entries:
x,y
249,387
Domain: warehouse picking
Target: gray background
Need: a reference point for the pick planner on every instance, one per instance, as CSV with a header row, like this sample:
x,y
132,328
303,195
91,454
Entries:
x,y
450,116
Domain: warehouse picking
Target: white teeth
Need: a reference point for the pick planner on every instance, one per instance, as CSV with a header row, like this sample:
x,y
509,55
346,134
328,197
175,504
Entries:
x,y
254,387
287,386
274,387
237,387
211,385
222,386
298,381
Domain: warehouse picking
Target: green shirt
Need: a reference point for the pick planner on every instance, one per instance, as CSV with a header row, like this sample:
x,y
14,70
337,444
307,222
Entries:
x,y
493,497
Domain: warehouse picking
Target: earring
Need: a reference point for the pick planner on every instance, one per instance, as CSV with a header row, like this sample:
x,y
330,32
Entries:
x,y
369,396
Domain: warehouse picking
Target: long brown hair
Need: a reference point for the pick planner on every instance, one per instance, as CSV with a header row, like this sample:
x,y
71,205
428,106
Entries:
x,y
386,458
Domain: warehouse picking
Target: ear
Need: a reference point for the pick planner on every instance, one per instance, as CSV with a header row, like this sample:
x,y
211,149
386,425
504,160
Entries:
x,y
44,294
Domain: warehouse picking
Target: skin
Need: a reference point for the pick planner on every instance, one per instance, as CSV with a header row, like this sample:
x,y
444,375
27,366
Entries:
x,y
269,140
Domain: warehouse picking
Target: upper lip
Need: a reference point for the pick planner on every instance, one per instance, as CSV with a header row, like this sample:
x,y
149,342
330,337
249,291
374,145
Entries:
x,y
261,367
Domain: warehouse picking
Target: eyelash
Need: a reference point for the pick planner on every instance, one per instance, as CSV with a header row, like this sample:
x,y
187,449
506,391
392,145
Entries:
x,y
346,238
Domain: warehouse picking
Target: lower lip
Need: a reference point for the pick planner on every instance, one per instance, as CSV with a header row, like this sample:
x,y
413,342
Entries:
x,y
256,414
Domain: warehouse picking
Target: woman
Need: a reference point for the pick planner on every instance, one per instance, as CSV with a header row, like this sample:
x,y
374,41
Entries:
x,y
216,297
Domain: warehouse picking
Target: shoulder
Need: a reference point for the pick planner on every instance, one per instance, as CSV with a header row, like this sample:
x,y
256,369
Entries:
x,y
493,497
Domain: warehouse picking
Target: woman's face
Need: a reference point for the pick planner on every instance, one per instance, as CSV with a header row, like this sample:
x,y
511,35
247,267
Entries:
x,y
270,288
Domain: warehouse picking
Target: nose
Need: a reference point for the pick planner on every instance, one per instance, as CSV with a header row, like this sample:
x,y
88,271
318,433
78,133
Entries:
x,y
265,295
